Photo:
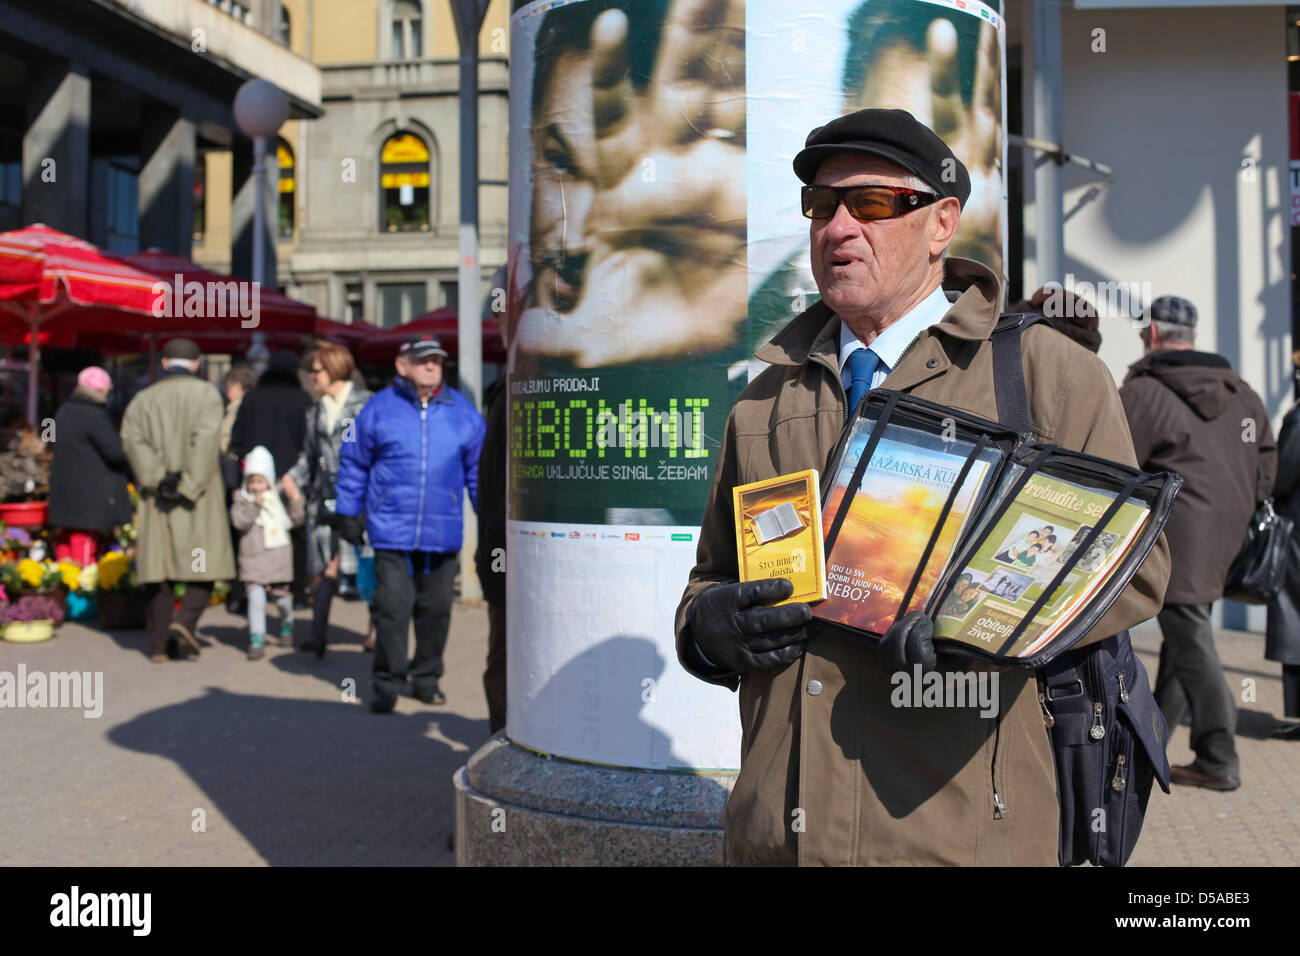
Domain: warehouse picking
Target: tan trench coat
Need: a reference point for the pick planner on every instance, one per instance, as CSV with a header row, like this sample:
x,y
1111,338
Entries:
x,y
173,426
877,784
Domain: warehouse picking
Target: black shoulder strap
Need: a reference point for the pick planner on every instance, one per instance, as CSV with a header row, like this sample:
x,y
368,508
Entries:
x,y
1009,373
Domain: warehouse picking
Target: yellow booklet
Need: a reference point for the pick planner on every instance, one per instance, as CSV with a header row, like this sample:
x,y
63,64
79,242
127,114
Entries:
x,y
779,533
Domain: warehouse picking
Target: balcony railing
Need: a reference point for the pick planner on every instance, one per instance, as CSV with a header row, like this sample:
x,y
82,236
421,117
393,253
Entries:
x,y
432,76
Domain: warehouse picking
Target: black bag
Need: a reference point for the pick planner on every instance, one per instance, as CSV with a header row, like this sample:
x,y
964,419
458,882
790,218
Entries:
x,y
1108,739
1108,734
232,470
1255,575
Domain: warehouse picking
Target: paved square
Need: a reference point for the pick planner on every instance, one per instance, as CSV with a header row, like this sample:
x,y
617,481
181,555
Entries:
x,y
222,761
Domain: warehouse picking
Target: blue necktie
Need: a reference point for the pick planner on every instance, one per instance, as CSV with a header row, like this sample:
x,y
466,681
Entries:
x,y
861,367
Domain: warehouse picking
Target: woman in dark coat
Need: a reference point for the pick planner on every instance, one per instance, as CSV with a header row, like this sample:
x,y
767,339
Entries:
x,y
1282,641
88,495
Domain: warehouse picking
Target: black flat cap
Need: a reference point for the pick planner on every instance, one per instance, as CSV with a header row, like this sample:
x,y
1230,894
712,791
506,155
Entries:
x,y
182,349
892,135
1174,310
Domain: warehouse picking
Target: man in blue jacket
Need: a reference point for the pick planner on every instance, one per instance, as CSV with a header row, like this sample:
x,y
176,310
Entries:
x,y
402,478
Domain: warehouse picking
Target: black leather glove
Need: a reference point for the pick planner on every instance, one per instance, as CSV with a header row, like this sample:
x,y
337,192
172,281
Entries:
x,y
734,629
909,641
330,519
351,528
166,490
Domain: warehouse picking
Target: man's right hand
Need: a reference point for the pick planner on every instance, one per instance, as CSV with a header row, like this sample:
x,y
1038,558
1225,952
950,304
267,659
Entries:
x,y
734,629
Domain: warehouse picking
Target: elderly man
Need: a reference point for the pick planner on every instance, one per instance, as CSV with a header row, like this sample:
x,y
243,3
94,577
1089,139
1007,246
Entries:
x,y
413,455
831,773
170,433
1190,413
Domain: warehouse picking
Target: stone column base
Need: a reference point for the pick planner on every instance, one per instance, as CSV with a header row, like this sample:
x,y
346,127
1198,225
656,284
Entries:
x,y
518,808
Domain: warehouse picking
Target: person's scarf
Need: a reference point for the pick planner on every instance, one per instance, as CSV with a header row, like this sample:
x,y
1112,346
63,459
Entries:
x,y
272,518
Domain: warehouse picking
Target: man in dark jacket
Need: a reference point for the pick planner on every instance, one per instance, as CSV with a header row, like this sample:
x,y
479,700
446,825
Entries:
x,y
402,480
1190,413
274,415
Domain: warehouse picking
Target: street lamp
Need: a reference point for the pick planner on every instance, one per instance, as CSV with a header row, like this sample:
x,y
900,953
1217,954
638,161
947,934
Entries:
x,y
260,110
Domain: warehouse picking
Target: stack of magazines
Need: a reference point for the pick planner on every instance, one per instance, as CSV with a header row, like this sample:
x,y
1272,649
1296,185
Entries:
x,y
1014,549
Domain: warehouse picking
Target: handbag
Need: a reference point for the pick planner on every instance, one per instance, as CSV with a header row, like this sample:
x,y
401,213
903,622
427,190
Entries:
x,y
1255,575
232,470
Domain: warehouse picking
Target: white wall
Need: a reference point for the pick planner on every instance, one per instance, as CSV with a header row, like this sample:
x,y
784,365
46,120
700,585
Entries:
x,y
1177,101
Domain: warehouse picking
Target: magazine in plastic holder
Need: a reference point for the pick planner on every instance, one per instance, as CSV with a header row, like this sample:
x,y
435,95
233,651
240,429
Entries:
x,y
1015,549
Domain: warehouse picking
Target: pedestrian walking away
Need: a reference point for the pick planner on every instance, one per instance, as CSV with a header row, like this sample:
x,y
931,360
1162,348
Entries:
x,y
1190,413
170,433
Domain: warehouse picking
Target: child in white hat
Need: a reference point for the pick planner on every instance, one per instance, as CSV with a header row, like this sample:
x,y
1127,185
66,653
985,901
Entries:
x,y
259,514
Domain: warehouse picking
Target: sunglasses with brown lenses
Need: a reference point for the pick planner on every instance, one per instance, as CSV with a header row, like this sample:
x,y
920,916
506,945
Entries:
x,y
866,203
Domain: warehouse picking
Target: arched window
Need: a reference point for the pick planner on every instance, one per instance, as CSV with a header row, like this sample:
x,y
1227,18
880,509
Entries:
x,y
404,179
282,31
407,30
284,159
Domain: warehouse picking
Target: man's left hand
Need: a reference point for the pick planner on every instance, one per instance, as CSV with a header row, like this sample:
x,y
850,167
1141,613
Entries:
x,y
909,641
167,488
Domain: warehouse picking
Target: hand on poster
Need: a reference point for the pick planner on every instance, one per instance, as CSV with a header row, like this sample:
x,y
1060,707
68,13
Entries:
x,y
658,271
928,84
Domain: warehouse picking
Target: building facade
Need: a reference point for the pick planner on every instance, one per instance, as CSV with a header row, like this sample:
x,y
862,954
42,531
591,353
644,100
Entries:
x,y
368,194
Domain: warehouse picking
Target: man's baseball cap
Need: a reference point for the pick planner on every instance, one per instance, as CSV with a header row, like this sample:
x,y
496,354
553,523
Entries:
x,y
1172,309
421,346
892,135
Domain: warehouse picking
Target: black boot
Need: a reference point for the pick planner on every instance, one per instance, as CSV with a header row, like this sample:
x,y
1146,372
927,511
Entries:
x,y
320,616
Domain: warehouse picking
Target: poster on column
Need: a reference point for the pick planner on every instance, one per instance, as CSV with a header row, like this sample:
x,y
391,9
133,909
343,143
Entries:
x,y
941,60
655,240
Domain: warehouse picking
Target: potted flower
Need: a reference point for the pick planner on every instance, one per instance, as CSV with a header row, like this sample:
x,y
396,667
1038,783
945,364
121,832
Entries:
x,y
30,619
120,607
25,480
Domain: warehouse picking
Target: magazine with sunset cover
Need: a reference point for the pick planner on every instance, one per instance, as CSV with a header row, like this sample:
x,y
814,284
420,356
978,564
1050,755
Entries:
x,y
1013,548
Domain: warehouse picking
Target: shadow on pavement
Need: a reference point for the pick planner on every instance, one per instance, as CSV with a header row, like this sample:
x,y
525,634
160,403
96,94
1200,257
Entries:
x,y
315,782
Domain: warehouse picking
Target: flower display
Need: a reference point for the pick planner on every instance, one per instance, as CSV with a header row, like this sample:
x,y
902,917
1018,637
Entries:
x,y
31,572
112,568
88,579
70,571
31,607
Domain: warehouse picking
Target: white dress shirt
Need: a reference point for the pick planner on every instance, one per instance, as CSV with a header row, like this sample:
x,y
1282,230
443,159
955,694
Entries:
x,y
890,344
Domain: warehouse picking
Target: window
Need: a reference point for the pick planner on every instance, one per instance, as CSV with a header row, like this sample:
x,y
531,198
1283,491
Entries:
x,y
450,294
200,196
354,307
284,159
11,168
283,30
400,302
123,210
407,41
404,179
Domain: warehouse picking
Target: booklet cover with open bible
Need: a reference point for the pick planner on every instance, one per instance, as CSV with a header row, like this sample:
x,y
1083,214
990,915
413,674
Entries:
x,y
1014,549
779,533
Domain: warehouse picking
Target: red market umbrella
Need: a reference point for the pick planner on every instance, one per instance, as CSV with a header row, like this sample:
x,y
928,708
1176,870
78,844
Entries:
x,y
53,282
381,348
